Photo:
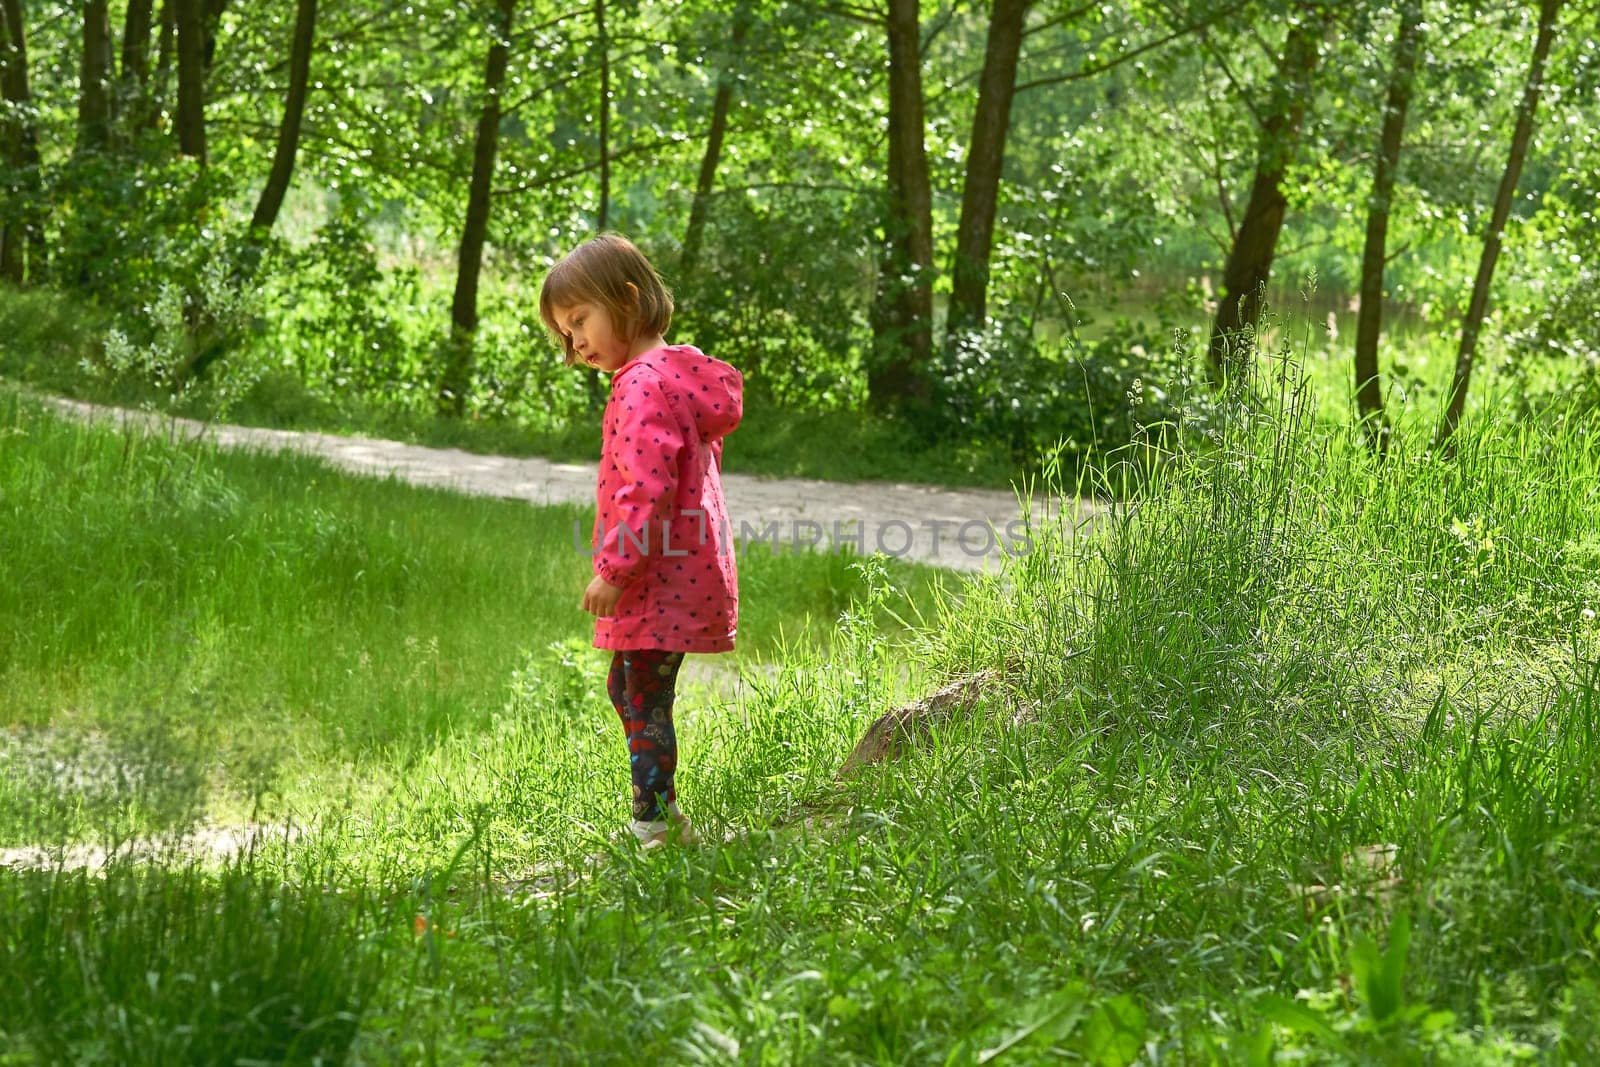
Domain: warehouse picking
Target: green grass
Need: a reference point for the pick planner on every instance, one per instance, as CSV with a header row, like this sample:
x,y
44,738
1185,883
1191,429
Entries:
x,y
1153,839
126,968
269,610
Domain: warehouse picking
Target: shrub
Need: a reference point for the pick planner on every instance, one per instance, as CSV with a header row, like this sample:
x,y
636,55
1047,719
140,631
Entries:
x,y
1084,399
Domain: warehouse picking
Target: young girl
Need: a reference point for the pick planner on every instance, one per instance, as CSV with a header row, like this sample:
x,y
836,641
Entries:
x,y
664,577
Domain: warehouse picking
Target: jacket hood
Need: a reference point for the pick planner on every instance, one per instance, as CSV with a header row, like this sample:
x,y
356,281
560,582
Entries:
x,y
713,391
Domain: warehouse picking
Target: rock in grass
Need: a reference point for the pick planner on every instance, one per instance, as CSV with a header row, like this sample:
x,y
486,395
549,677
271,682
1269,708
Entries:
x,y
1372,872
893,731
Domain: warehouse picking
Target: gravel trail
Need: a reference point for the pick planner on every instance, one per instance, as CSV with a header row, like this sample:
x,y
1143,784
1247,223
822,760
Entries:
x,y
962,529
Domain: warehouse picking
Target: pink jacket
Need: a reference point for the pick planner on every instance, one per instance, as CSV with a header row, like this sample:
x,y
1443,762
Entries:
x,y
661,528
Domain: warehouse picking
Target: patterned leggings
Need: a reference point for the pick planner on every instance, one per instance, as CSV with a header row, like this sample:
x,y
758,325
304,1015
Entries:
x,y
641,686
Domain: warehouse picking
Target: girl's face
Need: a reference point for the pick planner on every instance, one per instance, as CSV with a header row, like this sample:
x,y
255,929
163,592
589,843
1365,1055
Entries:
x,y
593,335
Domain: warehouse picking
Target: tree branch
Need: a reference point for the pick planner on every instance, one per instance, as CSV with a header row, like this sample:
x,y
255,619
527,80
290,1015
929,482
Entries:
x,y
1227,72
311,136
1223,199
831,187
937,28
1065,16
850,11
566,79
555,179
1089,72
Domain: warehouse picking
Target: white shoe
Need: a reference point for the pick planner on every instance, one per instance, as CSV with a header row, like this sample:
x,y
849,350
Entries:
x,y
658,833
686,834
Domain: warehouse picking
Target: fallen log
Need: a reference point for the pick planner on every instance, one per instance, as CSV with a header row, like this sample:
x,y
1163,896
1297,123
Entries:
x,y
895,731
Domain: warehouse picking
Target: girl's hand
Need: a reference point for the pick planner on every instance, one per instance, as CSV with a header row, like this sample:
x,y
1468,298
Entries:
x,y
601,597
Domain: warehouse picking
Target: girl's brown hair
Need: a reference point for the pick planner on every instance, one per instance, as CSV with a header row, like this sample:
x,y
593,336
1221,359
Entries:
x,y
610,271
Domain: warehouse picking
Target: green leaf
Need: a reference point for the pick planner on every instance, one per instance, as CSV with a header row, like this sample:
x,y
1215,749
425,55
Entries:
x,y
1365,965
1295,1016
1381,977
1256,1050
1053,1018
1114,1033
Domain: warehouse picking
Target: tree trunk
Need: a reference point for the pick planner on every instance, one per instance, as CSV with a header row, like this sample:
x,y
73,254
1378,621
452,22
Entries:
x,y
211,18
464,307
1250,260
166,47
969,270
1369,385
21,224
191,119
166,38
94,77
133,91
1479,304
903,305
136,42
272,194
11,255
720,106
605,115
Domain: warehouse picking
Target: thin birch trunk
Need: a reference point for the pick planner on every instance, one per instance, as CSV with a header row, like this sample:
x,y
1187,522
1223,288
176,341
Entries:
x,y
1369,324
1478,307
457,377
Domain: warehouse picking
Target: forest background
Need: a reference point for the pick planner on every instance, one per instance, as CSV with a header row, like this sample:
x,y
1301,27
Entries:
x,y
999,230
1292,760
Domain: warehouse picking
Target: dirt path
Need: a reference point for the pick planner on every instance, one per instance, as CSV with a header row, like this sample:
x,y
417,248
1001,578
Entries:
x,y
963,529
